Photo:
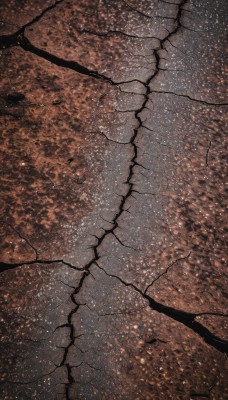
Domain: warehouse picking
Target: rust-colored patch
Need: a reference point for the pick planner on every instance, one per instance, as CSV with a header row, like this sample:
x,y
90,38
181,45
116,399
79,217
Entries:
x,y
46,143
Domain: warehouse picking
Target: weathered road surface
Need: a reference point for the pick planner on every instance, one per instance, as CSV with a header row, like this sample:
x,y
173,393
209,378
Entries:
x,y
113,199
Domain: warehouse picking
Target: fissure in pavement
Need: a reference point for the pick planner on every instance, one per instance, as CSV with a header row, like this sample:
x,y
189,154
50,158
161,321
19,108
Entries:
x,y
187,319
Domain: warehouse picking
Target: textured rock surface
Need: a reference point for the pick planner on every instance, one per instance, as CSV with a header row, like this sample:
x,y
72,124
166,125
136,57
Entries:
x,y
113,245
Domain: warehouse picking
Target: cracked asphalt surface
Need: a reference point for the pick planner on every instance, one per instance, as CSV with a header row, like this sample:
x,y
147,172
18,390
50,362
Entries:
x,y
113,224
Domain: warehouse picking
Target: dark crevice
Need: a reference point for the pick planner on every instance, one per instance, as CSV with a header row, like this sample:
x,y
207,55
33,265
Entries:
x,y
70,380
122,243
11,40
207,154
146,15
185,318
6,266
111,140
31,381
216,314
167,269
23,42
144,193
207,103
40,16
25,239
73,65
19,39
114,32
155,340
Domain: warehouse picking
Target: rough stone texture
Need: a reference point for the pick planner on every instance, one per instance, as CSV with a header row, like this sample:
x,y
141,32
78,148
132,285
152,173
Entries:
x,y
113,245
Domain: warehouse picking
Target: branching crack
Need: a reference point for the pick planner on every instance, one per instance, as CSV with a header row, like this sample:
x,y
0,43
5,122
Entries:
x,y
185,318
13,39
112,140
207,103
188,319
167,269
6,266
23,42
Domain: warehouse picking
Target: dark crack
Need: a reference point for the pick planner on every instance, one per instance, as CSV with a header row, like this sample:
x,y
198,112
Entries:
x,y
205,395
207,103
40,16
111,140
6,266
114,32
185,318
32,380
207,154
25,239
167,269
19,39
144,14
155,340
122,243
23,42
11,40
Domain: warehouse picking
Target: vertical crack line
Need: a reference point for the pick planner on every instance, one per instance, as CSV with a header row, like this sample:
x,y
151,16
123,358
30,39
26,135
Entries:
x,y
19,39
129,182
167,39
207,154
70,380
